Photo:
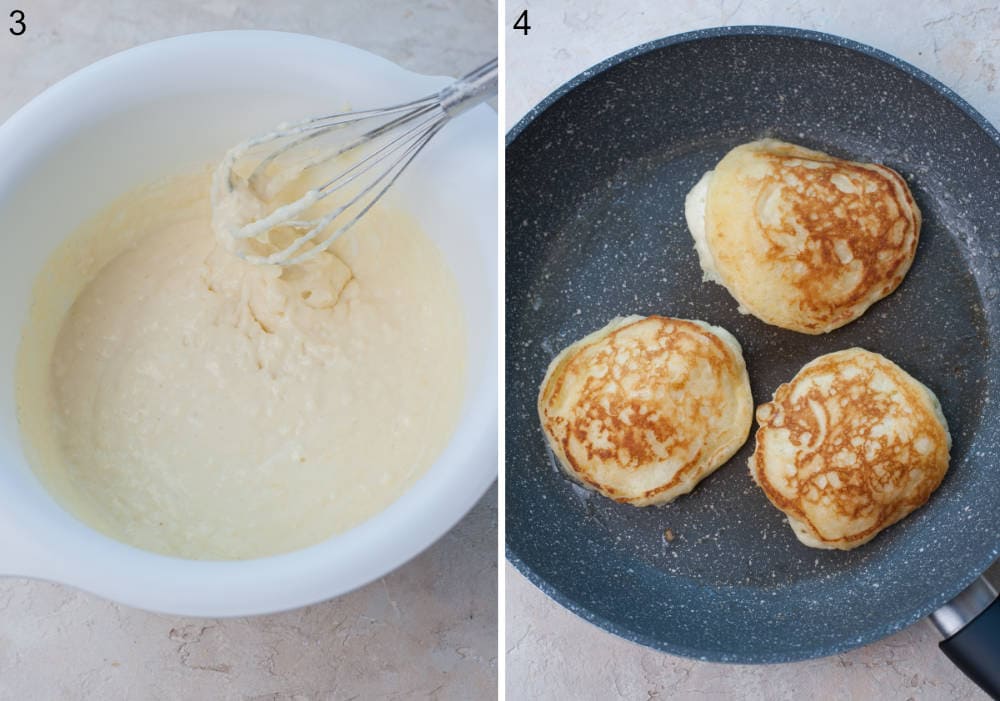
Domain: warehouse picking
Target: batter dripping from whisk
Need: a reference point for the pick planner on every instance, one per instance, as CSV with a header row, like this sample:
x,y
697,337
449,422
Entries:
x,y
340,164
198,405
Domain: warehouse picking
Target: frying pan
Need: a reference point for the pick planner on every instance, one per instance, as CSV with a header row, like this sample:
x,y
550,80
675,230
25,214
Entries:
x,y
596,178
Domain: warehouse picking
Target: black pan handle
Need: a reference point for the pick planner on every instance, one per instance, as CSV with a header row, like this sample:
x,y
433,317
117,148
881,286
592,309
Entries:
x,y
971,625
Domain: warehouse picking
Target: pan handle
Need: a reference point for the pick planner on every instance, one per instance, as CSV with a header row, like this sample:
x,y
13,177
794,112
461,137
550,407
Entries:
x,y
971,625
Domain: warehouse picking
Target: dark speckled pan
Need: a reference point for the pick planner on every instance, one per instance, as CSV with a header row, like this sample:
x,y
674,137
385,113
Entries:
x,y
596,178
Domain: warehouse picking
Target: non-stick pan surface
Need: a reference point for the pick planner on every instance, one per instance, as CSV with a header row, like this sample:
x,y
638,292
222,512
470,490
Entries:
x,y
596,178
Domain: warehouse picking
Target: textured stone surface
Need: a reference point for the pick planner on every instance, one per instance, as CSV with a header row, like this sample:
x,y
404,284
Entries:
x,y
429,629
957,41
551,653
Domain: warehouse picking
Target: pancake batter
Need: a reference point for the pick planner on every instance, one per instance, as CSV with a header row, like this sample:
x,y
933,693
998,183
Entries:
x,y
201,406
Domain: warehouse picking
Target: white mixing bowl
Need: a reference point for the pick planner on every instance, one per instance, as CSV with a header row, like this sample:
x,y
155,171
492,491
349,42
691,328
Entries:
x,y
169,106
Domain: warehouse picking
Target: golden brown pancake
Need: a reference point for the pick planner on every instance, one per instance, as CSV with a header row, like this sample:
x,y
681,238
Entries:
x,y
646,407
803,240
850,446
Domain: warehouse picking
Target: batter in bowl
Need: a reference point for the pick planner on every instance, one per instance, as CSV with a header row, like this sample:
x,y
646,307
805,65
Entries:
x,y
190,403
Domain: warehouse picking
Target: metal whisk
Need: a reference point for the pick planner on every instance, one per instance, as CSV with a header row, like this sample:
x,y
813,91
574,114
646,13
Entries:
x,y
375,146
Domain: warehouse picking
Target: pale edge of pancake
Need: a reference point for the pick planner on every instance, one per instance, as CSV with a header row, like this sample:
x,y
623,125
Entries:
x,y
616,323
801,529
695,205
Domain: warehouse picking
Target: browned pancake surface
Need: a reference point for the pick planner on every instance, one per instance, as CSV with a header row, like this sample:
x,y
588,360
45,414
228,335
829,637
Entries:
x,y
646,407
850,446
806,241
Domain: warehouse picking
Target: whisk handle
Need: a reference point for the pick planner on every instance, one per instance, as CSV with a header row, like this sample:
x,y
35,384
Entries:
x,y
469,90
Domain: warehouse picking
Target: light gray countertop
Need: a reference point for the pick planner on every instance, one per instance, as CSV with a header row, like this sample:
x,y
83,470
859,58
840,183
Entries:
x,y
429,629
550,653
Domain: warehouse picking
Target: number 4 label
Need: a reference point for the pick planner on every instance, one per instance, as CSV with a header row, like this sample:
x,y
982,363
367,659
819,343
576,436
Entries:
x,y
522,22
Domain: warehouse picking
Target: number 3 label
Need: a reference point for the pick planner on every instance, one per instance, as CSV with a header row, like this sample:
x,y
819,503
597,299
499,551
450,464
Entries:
x,y
19,26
